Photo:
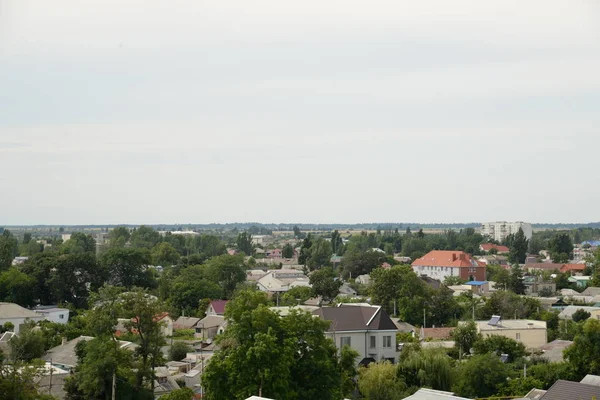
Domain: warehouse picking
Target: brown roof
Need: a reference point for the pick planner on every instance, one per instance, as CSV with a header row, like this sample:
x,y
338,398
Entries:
x,y
572,267
355,318
545,266
437,333
562,390
489,246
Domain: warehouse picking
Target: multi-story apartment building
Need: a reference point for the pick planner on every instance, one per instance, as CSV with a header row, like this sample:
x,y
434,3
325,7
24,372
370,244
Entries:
x,y
501,229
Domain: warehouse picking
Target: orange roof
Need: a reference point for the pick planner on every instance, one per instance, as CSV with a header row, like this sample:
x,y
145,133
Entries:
x,y
445,258
489,246
572,267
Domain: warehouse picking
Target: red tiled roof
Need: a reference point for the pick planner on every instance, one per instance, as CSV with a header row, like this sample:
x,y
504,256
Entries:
x,y
445,258
219,306
544,266
572,267
489,246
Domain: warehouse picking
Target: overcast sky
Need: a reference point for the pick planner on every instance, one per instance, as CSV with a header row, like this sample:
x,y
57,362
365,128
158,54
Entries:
x,y
123,111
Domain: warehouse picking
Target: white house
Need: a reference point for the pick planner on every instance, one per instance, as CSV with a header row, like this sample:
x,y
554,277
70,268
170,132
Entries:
x,y
367,329
17,315
54,314
282,280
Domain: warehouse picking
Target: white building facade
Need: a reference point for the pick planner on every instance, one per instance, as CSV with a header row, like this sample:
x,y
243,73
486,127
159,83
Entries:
x,y
499,230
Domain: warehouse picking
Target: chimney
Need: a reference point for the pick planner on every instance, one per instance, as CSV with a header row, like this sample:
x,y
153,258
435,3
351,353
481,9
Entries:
x,y
462,256
453,256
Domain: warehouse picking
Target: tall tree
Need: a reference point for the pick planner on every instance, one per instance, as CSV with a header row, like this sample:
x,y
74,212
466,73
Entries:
x,y
320,254
379,381
118,236
128,267
8,249
515,281
227,271
244,243
17,287
79,243
325,284
584,354
465,335
164,254
518,248
480,376
336,242
287,251
305,250
561,248
144,237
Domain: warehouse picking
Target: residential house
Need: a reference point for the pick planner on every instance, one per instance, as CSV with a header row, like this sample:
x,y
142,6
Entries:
x,y
431,394
429,334
531,333
253,275
553,351
17,315
282,280
209,327
185,323
591,291
216,307
490,246
479,287
440,264
367,329
164,382
285,310
562,390
259,239
580,281
19,260
567,312
573,269
535,267
274,253
403,327
65,356
54,314
363,279
346,290
493,259
431,282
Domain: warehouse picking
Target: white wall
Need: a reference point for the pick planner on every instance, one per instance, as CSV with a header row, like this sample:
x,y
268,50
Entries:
x,y
55,316
360,341
439,273
17,322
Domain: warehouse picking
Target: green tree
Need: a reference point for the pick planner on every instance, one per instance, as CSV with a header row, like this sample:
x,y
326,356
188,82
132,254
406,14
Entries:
x,y
336,242
399,285
297,232
584,354
515,281
581,315
500,345
244,243
296,295
442,306
178,351
287,251
144,237
227,271
305,250
17,287
561,248
348,358
79,243
320,254
454,280
179,394
518,248
8,249
164,254
28,344
261,352
325,284
18,380
431,368
190,287
128,267
519,386
144,312
480,376
119,236
74,276
379,381
465,335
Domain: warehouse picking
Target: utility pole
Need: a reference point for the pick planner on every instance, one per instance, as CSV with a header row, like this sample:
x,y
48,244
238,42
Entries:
x,y
51,369
424,321
395,308
114,386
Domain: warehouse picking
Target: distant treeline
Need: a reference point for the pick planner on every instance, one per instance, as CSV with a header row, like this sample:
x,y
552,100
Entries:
x,y
265,228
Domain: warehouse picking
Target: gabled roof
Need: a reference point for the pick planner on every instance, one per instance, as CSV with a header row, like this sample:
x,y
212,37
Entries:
x,y
355,318
544,266
430,394
219,306
489,246
445,258
562,390
572,267
185,322
591,291
12,310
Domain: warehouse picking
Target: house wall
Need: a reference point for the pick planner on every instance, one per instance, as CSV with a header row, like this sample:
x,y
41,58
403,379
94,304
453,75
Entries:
x,y
55,316
167,328
439,273
17,322
360,341
530,337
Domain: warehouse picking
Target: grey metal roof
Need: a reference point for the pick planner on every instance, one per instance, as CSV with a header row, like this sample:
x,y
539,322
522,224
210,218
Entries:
x,y
356,318
591,380
567,390
430,394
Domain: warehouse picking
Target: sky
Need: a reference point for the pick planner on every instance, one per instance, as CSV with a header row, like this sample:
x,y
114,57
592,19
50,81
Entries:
x,y
315,111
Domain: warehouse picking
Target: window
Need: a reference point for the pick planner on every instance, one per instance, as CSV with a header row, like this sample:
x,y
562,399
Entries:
x,y
61,316
518,336
372,342
345,341
387,341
